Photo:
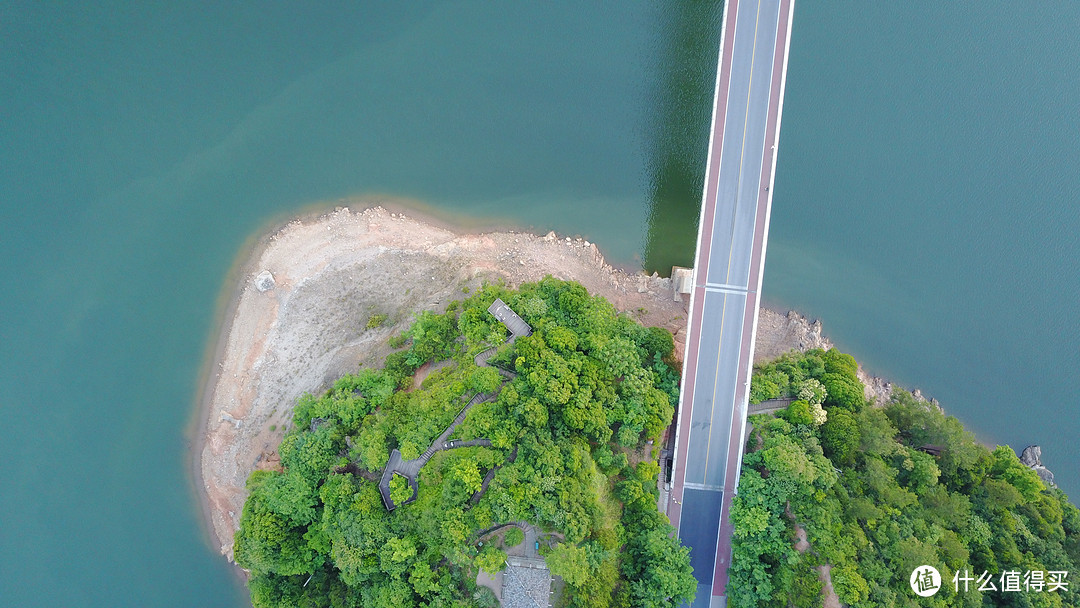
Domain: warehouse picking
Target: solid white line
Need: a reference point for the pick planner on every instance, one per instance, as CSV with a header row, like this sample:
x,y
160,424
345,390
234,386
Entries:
x,y
734,292
768,209
741,406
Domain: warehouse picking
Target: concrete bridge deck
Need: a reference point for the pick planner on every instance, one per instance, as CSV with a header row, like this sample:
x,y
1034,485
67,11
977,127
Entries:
x,y
732,235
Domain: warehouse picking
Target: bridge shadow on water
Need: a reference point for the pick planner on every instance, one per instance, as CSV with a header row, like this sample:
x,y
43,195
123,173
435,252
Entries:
x,y
679,132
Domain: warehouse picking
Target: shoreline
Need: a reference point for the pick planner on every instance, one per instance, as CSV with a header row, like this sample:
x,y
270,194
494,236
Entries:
x,y
335,260
330,263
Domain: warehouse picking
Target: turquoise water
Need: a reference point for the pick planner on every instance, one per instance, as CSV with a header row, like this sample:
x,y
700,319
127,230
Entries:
x,y
140,145
925,209
927,205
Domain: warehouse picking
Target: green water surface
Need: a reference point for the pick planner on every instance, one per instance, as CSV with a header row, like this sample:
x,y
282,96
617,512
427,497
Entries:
x,y
141,144
926,209
927,205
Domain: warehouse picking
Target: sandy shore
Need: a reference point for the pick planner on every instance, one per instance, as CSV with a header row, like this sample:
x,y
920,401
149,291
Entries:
x,y
298,321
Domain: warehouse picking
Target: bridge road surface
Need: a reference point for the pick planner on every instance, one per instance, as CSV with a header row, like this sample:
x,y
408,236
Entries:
x,y
732,234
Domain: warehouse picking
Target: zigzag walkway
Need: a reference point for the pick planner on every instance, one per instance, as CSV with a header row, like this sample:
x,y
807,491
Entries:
x,y
410,469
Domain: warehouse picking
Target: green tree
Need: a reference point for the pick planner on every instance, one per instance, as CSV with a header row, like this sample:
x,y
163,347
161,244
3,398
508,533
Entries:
x,y
763,389
318,534
843,391
658,570
798,412
837,362
400,490
484,380
514,537
840,437
268,542
1009,468
812,391
571,562
850,586
491,560
892,507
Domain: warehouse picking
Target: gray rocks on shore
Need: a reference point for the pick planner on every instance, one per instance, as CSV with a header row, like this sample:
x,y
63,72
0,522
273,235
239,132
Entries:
x,y
264,281
1032,458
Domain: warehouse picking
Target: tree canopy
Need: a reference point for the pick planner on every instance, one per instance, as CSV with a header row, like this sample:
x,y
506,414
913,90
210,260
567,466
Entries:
x,y
881,491
576,405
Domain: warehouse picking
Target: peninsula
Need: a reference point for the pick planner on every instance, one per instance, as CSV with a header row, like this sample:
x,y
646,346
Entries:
x,y
319,297
325,297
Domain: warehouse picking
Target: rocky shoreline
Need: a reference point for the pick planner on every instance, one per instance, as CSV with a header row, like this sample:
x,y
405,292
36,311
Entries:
x,y
320,297
1032,458
778,333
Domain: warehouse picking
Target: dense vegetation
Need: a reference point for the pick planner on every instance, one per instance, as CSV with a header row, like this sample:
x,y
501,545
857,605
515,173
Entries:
x,y
880,491
570,436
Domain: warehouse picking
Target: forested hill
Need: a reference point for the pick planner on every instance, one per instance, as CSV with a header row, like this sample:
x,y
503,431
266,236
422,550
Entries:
x,y
881,491
573,408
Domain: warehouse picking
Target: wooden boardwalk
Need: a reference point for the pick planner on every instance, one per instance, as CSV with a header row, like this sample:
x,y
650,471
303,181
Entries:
x,y
410,469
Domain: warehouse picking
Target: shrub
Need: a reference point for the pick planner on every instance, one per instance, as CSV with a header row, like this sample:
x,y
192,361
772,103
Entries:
x,y
514,537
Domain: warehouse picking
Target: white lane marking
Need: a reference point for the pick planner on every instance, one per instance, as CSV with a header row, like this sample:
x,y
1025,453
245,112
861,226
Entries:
x,y
737,289
703,486
687,397
716,376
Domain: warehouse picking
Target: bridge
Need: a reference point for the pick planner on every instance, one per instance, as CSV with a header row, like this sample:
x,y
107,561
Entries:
x,y
732,234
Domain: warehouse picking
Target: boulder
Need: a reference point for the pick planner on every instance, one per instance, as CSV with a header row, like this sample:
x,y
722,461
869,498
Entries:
x,y
1046,475
1031,456
264,281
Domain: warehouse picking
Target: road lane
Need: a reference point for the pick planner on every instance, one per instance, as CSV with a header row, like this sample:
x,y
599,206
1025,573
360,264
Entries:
x,y
733,229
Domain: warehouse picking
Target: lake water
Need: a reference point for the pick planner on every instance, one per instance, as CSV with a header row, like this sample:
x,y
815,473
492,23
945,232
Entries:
x,y
925,208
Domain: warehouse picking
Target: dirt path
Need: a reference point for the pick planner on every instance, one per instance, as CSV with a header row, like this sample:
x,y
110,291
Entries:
x,y
829,598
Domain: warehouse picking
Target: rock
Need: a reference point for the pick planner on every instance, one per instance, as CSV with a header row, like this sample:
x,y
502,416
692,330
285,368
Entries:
x,y
1031,456
1046,475
264,281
